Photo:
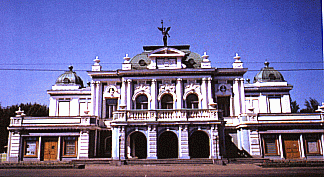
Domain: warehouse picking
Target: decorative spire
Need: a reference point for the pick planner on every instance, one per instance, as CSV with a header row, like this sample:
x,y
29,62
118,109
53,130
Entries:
x,y
126,59
165,34
237,63
71,68
96,60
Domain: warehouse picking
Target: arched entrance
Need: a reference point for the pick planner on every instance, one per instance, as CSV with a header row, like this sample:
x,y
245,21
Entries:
x,y
199,145
167,145
137,145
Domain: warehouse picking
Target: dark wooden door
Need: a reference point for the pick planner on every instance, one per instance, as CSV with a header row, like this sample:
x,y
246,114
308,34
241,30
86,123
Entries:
x,y
292,149
50,149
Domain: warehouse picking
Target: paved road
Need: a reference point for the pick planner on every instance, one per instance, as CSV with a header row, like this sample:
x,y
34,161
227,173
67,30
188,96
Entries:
x,y
172,170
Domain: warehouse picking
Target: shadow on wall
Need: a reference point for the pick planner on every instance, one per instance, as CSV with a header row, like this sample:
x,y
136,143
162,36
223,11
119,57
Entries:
x,y
232,151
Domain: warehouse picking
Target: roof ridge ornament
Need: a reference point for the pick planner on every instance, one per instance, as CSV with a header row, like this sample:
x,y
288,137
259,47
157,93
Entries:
x,y
165,34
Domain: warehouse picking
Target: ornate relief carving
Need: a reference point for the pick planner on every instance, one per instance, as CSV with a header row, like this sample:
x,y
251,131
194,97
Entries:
x,y
191,87
167,87
112,91
142,88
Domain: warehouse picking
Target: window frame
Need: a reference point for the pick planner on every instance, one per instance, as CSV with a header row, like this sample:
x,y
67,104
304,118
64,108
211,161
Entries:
x,y
64,154
30,139
265,149
313,138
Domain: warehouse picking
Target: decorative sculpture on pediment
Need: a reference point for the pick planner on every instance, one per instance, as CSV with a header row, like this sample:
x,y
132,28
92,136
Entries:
x,y
111,91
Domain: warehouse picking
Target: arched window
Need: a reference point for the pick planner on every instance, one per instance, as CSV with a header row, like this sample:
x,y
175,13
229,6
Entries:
x,y
192,101
167,102
141,102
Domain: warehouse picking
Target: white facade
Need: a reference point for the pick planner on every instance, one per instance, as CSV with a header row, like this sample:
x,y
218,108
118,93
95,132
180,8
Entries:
x,y
167,102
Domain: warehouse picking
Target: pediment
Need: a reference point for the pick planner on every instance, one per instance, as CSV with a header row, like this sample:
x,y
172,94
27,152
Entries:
x,y
166,52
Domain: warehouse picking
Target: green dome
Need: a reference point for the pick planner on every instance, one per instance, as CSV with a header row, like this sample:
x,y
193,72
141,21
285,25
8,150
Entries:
x,y
268,74
69,78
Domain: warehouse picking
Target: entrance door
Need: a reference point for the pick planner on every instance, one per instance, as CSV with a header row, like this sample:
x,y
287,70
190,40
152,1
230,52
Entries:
x,y
50,149
292,149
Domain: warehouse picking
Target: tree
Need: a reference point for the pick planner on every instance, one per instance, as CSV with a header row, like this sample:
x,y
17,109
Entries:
x,y
294,106
311,106
32,110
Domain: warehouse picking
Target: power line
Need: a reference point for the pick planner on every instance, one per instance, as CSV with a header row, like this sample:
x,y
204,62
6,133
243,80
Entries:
x,y
28,69
35,64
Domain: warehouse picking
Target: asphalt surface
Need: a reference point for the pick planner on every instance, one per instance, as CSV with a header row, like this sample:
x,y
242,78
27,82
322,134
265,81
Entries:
x,y
169,170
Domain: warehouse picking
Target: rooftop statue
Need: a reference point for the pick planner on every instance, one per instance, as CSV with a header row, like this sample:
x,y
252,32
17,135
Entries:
x,y
165,34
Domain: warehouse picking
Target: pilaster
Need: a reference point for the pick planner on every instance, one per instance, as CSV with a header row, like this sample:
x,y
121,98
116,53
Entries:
x,y
242,95
183,142
214,143
152,142
84,144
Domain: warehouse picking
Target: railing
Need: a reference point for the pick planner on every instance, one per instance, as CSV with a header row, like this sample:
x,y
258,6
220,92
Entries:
x,y
53,120
166,115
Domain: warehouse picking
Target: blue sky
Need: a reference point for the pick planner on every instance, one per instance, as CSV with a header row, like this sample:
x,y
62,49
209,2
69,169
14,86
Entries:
x,y
51,35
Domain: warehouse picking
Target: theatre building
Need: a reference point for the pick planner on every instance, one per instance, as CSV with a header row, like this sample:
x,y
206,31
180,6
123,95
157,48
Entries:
x,y
167,102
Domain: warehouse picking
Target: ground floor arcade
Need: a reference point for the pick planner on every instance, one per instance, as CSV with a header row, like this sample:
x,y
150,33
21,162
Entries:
x,y
160,142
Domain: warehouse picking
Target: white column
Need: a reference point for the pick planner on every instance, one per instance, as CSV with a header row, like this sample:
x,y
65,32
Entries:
x,y
129,98
59,148
209,92
237,106
302,146
93,97
281,147
204,93
99,98
153,94
242,94
123,95
39,148
179,93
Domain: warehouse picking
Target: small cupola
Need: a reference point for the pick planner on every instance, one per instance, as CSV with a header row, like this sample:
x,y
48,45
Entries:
x,y
268,74
69,78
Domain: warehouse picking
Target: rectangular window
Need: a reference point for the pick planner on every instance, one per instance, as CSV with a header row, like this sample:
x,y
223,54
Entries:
x,y
30,147
275,105
111,106
85,105
270,145
64,108
313,144
70,146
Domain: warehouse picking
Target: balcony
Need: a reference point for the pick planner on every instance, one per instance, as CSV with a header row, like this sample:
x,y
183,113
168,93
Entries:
x,y
166,115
